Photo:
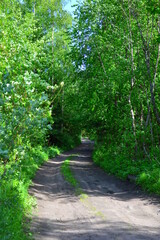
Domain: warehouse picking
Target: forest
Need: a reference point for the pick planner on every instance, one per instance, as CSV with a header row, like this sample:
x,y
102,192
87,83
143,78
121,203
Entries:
x,y
61,78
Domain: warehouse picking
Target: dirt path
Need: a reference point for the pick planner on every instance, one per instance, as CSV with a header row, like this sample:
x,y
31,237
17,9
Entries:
x,y
108,209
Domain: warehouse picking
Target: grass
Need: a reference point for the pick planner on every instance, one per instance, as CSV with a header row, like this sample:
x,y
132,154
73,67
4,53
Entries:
x,y
84,198
120,164
67,173
15,202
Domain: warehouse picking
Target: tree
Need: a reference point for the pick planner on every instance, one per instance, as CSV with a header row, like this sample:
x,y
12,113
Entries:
x,y
114,43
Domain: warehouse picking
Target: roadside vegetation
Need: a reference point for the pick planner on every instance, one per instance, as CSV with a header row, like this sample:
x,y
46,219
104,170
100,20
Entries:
x,y
15,202
100,75
33,69
116,51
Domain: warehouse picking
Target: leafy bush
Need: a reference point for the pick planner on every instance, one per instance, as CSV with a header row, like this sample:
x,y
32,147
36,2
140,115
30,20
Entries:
x,y
31,86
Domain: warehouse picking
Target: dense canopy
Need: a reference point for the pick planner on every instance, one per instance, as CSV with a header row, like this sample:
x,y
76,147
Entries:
x,y
96,75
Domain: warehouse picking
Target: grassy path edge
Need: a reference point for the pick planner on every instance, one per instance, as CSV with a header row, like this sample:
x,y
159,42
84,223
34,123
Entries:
x,y
84,198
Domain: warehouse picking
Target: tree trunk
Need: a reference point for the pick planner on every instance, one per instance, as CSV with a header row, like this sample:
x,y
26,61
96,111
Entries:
x,y
133,75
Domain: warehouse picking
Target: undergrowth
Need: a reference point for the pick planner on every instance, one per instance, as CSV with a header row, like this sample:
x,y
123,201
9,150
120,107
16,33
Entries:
x,y
119,163
15,202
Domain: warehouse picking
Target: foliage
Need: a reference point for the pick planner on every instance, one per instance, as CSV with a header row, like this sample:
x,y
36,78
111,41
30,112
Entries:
x,y
33,51
100,76
116,52
114,162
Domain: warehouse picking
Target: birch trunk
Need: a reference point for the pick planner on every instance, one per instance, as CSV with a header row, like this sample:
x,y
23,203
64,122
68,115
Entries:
x,y
133,75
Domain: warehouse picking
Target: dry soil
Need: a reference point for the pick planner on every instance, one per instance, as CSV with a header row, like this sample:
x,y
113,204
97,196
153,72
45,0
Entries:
x,y
107,208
